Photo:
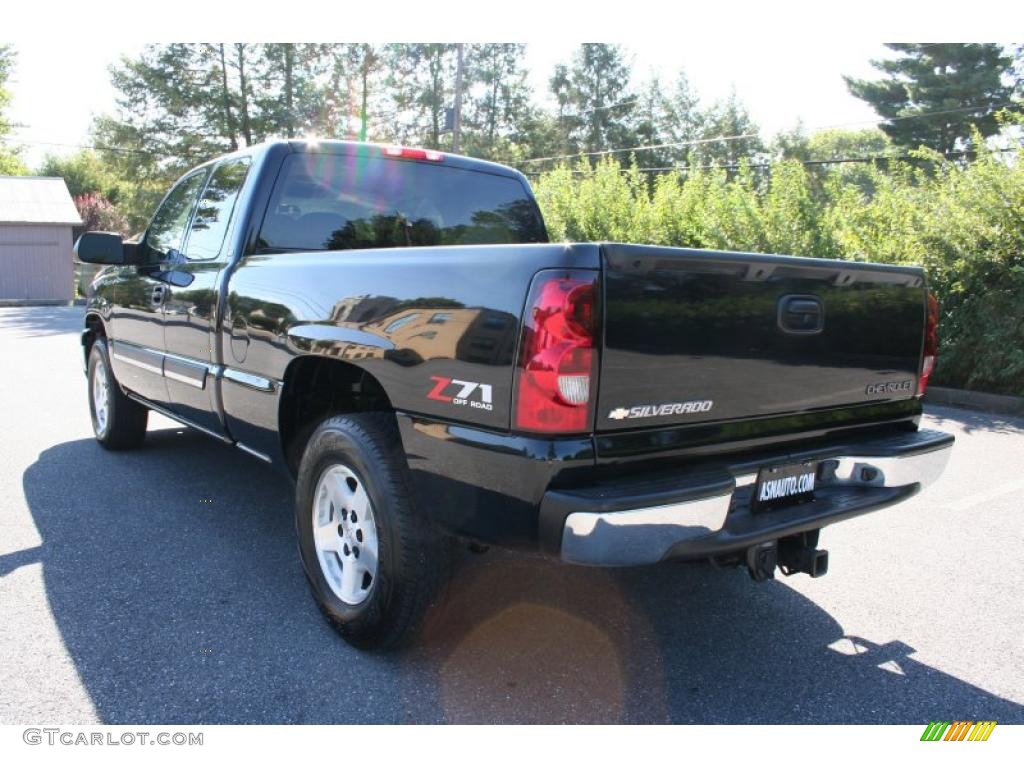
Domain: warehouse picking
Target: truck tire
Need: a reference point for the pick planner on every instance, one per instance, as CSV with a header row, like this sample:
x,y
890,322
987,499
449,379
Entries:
x,y
374,563
118,422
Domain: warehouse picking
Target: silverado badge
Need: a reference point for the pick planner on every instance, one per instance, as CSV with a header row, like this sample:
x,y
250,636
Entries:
x,y
664,409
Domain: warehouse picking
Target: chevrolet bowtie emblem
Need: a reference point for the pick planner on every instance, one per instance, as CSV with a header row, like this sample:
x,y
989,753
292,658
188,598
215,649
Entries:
x,y
619,413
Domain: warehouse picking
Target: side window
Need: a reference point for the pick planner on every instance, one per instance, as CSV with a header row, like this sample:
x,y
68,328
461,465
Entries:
x,y
213,214
401,322
167,229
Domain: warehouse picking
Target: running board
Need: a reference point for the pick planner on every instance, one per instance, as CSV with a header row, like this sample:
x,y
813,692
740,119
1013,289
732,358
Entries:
x,y
192,425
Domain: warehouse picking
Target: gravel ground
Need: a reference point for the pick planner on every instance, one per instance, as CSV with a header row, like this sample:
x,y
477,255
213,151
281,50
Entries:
x,y
127,597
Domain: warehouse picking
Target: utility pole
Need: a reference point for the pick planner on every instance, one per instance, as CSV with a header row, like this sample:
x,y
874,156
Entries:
x,y
457,123
367,61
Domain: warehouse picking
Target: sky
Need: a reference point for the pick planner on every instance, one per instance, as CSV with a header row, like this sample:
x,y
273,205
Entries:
x,y
781,84
785,58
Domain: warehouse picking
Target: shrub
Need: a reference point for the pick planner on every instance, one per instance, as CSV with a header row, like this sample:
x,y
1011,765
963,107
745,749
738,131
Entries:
x,y
963,222
98,213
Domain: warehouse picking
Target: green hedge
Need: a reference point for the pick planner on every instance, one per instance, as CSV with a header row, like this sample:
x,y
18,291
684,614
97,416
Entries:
x,y
964,222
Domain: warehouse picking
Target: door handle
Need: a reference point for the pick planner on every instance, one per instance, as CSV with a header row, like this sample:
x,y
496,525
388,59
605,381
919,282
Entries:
x,y
801,314
158,295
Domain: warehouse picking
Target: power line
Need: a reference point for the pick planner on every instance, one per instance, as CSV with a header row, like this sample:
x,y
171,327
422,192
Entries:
x,y
123,150
981,108
736,166
599,109
737,137
666,145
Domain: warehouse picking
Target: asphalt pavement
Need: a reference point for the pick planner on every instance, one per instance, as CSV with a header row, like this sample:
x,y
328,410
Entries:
x,y
163,586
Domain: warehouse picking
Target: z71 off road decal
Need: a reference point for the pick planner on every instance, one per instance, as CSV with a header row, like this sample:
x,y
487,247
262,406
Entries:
x,y
444,391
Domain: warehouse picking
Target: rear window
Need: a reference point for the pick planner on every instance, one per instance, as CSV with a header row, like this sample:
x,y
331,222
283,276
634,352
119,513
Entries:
x,y
338,202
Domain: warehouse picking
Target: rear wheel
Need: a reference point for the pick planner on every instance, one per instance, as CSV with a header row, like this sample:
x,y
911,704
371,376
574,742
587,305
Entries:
x,y
374,564
118,422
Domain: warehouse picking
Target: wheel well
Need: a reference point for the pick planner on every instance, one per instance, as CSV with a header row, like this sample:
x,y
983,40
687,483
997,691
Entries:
x,y
318,387
93,330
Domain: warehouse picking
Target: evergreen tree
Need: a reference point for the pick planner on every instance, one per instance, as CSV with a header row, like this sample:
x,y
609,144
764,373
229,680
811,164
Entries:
x,y
684,120
288,97
1017,72
566,121
175,109
667,116
651,125
594,98
240,61
537,133
421,85
933,93
728,135
363,63
496,97
175,105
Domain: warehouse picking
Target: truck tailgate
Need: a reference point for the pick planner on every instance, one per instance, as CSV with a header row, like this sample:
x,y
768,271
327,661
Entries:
x,y
696,336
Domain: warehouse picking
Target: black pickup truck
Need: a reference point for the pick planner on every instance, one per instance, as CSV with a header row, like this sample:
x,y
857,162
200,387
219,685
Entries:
x,y
392,328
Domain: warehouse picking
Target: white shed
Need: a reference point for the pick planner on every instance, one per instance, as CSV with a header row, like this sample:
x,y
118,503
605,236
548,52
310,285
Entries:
x,y
36,261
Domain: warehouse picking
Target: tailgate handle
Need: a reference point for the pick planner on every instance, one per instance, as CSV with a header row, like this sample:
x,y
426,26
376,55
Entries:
x,y
801,314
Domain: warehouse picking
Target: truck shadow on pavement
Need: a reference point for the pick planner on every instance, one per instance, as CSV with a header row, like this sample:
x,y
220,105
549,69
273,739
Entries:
x,y
173,577
946,417
41,321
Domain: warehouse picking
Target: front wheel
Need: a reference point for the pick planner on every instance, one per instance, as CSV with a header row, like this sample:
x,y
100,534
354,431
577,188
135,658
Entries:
x,y
374,563
118,421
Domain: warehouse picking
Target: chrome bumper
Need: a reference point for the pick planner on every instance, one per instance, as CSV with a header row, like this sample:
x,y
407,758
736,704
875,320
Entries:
x,y
646,535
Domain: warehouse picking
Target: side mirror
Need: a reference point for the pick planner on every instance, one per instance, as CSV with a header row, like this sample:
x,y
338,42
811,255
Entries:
x,y
100,248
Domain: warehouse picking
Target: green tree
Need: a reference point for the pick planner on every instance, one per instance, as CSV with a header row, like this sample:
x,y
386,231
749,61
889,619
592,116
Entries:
x,y
241,62
854,155
1018,71
728,135
536,133
10,162
932,94
670,117
183,103
342,85
594,98
835,143
362,63
652,124
175,109
684,120
421,84
497,98
565,121
85,173
286,91
175,105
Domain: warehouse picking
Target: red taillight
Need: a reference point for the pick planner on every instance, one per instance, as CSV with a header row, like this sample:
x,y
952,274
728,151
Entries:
x,y
410,153
556,367
931,345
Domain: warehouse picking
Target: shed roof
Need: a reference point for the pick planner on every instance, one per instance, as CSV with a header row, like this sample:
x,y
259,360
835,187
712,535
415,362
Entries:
x,y
36,200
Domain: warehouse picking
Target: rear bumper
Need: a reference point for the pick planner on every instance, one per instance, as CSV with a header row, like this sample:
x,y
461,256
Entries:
x,y
708,512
